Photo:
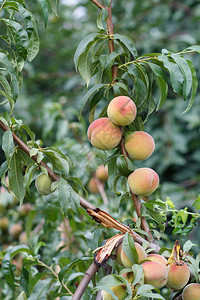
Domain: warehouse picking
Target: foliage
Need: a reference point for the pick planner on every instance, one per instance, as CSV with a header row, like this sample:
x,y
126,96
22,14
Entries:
x,y
49,107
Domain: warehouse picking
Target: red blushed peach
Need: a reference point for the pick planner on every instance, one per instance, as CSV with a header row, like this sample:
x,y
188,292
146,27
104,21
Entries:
x,y
102,173
103,134
139,145
143,181
122,110
155,273
178,275
92,186
191,292
118,290
157,257
141,256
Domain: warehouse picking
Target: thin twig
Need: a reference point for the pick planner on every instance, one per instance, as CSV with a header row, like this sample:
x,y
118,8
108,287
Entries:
x,y
98,4
102,191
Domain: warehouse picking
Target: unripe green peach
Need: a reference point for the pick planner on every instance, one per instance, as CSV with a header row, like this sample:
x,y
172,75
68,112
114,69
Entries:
x,y
118,290
102,173
141,256
4,222
155,273
122,110
15,230
43,184
178,275
191,292
103,134
157,257
92,186
139,145
143,181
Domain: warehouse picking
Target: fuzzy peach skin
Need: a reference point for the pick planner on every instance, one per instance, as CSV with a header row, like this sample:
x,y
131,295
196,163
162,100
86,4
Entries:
x,y
191,292
157,257
139,145
118,290
102,173
103,134
155,273
143,181
178,275
141,256
122,111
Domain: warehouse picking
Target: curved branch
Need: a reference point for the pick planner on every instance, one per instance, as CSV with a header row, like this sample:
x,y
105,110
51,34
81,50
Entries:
x,y
98,4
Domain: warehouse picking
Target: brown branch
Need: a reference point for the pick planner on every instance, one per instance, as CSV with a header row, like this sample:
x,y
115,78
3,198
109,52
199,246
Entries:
x,y
98,4
102,191
85,281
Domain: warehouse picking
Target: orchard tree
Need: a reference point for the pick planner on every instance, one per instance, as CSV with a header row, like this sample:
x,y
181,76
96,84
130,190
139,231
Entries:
x,y
57,243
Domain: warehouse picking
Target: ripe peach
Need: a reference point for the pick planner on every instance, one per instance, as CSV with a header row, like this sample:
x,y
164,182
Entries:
x,y
155,273
143,181
15,230
102,173
118,290
191,292
139,145
122,110
103,134
141,256
43,184
157,257
92,186
178,275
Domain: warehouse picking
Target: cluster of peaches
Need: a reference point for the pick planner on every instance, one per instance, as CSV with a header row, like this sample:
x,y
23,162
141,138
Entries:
x,y
158,272
105,133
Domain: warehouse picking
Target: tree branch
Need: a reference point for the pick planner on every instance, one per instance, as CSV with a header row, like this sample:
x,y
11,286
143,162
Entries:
x,y
85,281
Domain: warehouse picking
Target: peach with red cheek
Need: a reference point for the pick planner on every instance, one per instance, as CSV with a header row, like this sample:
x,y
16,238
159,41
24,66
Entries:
x,y
178,275
122,111
191,292
103,134
157,257
139,145
102,173
155,273
92,186
143,181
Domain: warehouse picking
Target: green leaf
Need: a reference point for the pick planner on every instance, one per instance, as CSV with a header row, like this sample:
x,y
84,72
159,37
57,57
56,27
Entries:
x,y
16,179
176,76
8,145
86,43
194,86
85,67
90,92
71,265
187,246
163,91
187,74
67,197
128,246
128,43
19,35
124,165
46,8
22,296
194,48
138,273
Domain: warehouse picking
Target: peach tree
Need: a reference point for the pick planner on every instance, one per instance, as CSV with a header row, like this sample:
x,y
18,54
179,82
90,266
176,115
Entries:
x,y
56,209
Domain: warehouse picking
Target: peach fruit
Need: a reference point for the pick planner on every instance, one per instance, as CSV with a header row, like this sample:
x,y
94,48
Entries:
x,y
139,145
157,257
15,230
4,222
129,276
43,184
23,238
141,256
178,275
118,290
122,110
102,173
103,134
25,208
143,181
155,273
191,292
92,186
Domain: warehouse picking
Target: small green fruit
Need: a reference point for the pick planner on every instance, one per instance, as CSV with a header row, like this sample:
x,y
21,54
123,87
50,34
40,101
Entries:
x,y
43,184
